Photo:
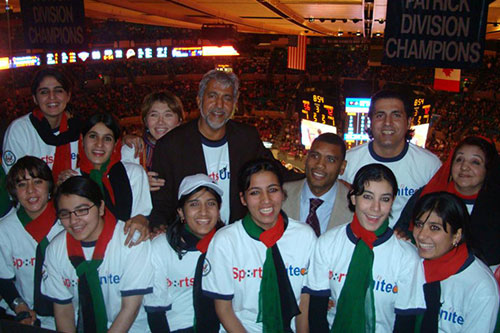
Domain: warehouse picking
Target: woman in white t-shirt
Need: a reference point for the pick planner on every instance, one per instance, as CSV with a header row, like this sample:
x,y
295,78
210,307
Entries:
x,y
178,259
256,267
460,291
374,280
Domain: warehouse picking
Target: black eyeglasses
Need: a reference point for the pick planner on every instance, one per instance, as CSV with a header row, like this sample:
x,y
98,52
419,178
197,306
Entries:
x,y
65,214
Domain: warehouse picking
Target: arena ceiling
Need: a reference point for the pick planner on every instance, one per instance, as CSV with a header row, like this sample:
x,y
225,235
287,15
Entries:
x,y
317,17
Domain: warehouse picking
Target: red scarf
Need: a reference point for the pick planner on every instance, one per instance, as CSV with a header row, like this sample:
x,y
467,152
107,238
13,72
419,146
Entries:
x,y
74,246
39,228
203,243
62,158
271,236
86,165
366,236
441,268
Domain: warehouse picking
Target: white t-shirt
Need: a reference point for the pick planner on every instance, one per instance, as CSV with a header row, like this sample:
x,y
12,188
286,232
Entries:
x,y
139,184
124,272
173,283
413,168
397,274
235,261
17,259
21,139
469,300
217,162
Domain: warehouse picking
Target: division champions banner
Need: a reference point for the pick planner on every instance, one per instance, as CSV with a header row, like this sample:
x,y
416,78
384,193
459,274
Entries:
x,y
53,24
435,33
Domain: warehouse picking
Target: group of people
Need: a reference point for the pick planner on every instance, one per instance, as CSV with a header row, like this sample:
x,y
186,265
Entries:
x,y
196,227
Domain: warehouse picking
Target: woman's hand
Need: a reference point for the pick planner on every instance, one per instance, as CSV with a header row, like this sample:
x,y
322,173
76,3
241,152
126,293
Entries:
x,y
154,182
137,225
24,308
134,141
65,174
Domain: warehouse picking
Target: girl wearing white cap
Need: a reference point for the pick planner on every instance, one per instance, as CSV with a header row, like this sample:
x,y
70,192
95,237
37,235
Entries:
x,y
178,261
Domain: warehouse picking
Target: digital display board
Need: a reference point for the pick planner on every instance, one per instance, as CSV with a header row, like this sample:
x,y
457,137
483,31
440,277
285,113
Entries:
x,y
422,110
316,108
182,52
310,130
357,120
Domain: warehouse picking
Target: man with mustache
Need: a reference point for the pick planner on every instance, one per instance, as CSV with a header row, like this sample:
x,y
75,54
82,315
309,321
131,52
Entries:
x,y
390,115
212,144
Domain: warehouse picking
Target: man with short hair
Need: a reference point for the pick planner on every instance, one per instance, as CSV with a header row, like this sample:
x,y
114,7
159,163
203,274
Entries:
x,y
212,144
390,115
320,200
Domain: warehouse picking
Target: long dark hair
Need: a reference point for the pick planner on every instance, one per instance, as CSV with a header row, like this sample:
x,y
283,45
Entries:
x,y
174,230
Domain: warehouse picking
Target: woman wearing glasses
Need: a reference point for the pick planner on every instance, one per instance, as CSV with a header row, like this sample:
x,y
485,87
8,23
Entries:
x,y
96,282
24,235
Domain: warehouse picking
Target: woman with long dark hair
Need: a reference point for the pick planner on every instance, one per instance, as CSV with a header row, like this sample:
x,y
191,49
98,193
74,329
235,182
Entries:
x,y
256,267
460,291
178,261
373,279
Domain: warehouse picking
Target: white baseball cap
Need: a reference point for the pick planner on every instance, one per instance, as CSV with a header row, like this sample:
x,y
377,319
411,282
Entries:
x,y
191,183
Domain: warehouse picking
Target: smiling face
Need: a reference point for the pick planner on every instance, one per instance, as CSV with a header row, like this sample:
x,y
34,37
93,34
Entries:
x,y
372,207
52,99
201,212
324,164
389,125
86,228
217,105
263,198
98,144
468,169
161,119
431,239
32,193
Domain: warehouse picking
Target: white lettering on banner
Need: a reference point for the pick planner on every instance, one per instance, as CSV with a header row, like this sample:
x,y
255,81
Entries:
x,y
53,14
56,35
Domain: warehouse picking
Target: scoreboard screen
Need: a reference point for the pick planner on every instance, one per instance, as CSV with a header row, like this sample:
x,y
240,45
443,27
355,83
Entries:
x,y
421,111
357,120
318,108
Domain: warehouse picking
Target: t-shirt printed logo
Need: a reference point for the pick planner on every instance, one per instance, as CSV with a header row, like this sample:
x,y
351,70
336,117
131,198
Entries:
x,y
186,282
19,263
222,174
9,158
450,314
256,273
206,267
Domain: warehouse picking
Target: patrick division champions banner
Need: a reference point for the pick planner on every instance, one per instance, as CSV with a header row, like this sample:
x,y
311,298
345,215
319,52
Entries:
x,y
53,24
435,33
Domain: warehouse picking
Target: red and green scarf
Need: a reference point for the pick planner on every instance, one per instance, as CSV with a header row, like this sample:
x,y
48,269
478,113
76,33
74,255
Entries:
x,y
277,303
438,270
39,228
69,130
356,306
92,306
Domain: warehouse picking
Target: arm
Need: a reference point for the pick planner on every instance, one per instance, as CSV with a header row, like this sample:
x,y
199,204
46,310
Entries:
x,y
301,321
128,312
65,317
135,224
224,310
134,141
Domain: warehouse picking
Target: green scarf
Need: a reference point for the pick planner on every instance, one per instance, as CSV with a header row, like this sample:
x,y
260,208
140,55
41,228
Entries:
x,y
277,305
355,306
97,175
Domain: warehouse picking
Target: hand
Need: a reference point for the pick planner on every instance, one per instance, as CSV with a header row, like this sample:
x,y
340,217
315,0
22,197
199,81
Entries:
x,y
137,223
65,174
134,141
401,234
154,182
24,308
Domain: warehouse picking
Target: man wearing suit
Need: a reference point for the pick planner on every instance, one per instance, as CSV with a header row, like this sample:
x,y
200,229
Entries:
x,y
212,144
325,162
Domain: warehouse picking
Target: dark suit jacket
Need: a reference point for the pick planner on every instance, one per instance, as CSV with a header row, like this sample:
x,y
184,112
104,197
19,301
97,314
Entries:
x,y
340,213
180,153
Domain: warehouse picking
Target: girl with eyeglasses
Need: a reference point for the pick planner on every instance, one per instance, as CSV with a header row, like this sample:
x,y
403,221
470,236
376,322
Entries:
x,y
24,235
96,282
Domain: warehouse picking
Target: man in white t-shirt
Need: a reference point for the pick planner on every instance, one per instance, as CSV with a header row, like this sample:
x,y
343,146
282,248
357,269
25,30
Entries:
x,y
390,115
212,144
320,197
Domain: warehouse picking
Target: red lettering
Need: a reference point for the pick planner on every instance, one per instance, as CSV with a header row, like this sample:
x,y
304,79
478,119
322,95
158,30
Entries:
x,y
18,263
340,277
242,275
191,281
235,273
33,261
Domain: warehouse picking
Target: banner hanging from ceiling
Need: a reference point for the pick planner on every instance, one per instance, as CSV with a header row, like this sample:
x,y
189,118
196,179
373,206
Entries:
x,y
53,24
437,33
